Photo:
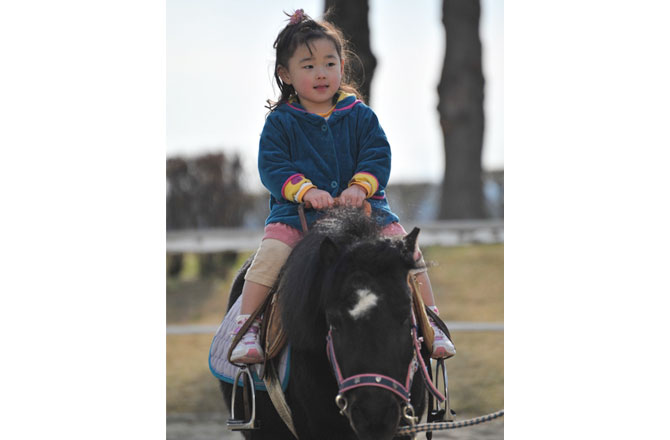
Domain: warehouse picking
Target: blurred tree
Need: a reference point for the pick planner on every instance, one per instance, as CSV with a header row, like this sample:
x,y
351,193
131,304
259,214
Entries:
x,y
461,109
179,185
204,192
351,16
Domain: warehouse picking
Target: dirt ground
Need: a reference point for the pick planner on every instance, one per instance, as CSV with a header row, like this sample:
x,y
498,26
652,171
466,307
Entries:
x,y
213,427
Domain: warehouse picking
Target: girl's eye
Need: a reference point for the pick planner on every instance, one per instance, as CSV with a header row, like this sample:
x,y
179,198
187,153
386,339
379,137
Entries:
x,y
331,64
309,66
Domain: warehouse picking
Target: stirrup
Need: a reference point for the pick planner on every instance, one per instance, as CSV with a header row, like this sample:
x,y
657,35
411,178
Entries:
x,y
233,423
442,412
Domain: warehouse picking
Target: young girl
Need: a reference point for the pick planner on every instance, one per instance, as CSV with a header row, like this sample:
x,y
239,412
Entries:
x,y
319,142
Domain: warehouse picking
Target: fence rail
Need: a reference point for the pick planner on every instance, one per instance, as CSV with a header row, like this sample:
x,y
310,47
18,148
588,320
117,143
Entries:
x,y
457,326
443,233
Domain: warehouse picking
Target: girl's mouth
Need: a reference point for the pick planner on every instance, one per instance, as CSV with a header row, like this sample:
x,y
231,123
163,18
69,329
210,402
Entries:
x,y
321,88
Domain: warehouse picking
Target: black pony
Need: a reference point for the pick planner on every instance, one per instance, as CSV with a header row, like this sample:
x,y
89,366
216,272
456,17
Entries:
x,y
345,277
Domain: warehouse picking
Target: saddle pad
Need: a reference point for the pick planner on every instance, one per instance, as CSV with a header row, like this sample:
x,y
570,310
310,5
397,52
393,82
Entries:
x,y
218,355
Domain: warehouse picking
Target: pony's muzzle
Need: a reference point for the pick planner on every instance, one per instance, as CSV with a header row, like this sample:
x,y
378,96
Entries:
x,y
373,413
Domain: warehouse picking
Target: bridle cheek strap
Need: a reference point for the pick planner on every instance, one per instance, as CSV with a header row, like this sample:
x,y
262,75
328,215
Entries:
x,y
432,389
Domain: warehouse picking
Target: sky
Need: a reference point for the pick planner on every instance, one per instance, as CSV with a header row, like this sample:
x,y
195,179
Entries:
x,y
219,75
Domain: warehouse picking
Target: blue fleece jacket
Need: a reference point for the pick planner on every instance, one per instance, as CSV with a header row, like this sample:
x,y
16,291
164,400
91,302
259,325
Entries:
x,y
300,150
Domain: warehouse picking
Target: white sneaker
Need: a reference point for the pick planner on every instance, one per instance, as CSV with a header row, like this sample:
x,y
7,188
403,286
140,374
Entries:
x,y
442,346
248,350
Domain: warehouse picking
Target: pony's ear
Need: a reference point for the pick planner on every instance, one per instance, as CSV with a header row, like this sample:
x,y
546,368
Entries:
x,y
410,241
328,251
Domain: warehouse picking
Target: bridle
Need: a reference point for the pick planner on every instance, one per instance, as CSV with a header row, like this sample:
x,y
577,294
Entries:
x,y
382,381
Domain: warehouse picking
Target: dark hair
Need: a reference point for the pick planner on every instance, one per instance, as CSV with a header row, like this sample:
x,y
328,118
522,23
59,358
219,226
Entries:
x,y
302,29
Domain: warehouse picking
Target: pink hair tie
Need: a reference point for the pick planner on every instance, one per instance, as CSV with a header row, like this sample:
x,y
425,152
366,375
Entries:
x,y
297,16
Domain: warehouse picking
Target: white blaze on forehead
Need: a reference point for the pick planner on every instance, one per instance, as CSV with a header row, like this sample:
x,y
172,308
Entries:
x,y
366,301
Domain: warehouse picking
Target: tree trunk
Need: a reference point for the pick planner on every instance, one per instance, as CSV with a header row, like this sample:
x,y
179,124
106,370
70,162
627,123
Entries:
x,y
461,108
351,16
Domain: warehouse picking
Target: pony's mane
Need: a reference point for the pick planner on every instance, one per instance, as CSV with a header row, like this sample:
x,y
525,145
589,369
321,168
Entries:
x,y
300,292
346,225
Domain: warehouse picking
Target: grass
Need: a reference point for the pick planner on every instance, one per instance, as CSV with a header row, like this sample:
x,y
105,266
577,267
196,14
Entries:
x,y
192,300
468,286
476,375
467,281
191,388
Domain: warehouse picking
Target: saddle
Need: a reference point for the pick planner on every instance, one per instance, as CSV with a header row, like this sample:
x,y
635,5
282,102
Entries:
x,y
272,333
273,337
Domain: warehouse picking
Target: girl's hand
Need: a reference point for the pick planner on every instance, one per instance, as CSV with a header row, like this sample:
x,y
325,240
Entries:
x,y
318,198
353,196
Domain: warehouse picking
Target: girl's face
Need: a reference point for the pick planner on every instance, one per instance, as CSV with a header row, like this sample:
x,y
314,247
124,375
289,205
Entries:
x,y
315,75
